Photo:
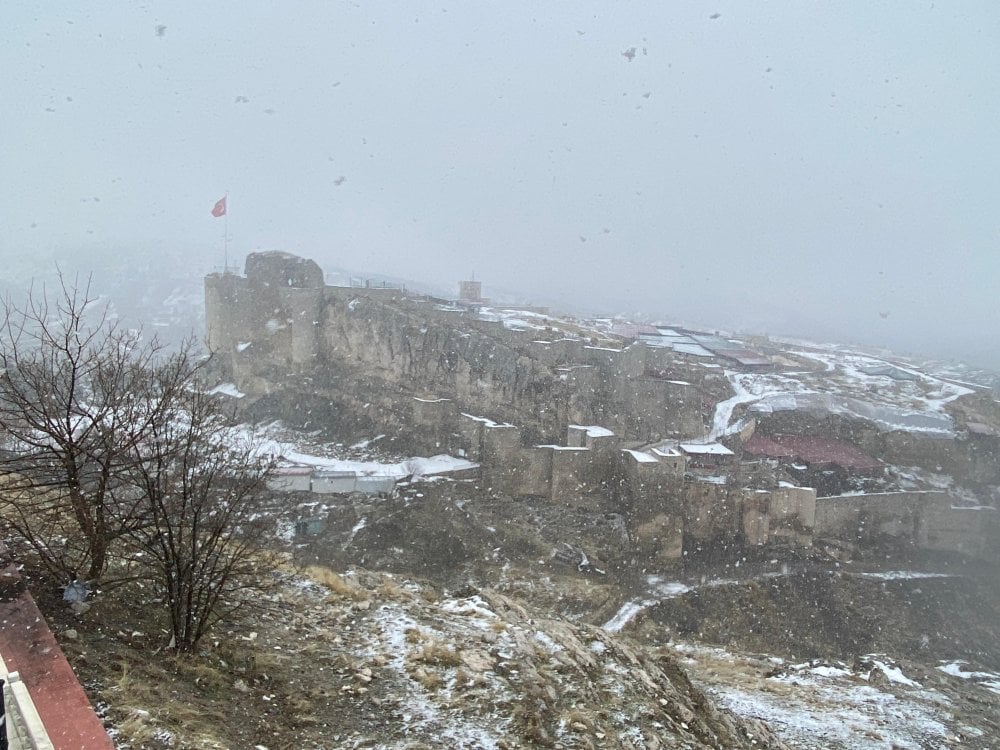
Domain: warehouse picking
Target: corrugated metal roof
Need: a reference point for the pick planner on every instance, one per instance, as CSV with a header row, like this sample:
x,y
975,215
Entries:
x,y
29,648
632,330
811,449
746,357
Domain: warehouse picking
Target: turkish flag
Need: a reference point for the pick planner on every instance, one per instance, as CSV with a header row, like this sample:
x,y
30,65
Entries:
x,y
220,207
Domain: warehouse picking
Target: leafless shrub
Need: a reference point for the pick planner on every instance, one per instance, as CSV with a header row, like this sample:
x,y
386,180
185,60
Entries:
x,y
205,527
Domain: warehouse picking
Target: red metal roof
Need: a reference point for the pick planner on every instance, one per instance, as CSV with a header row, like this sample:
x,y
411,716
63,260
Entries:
x,y
29,648
811,449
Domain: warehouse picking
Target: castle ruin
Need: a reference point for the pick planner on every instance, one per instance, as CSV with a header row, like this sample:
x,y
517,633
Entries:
x,y
584,421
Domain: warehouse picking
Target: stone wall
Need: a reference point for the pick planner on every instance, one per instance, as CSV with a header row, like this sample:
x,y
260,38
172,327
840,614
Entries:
x,y
651,483
970,531
575,478
712,515
359,349
871,519
381,360
921,520
717,513
755,516
792,515
531,473
659,539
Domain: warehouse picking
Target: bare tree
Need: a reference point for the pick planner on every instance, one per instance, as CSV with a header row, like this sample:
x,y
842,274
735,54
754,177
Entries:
x,y
203,483
77,394
113,453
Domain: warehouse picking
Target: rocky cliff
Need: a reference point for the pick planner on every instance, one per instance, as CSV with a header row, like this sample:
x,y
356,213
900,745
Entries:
x,y
352,358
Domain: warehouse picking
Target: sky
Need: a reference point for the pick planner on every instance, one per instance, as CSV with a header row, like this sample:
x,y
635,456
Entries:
x,y
827,171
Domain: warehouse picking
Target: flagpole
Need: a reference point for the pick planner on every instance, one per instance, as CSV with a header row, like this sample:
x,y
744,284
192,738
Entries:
x,y
225,238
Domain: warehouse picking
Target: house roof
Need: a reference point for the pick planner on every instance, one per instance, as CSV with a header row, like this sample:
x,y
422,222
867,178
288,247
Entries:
x,y
706,449
811,449
593,430
632,330
666,452
746,357
641,456
29,648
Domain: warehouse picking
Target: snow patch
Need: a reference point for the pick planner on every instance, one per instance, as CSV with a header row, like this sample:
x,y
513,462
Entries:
x,y
227,389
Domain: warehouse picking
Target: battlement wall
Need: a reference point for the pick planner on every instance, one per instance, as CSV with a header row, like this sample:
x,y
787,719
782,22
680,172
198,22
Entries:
x,y
923,520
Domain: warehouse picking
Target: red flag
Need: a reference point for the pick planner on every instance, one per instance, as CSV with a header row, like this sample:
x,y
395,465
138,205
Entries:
x,y
220,207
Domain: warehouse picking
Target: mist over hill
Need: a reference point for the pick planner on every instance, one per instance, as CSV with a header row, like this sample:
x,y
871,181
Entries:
x,y
166,296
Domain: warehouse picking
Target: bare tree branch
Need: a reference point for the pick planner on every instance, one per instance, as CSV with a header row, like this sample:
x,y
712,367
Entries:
x,y
78,392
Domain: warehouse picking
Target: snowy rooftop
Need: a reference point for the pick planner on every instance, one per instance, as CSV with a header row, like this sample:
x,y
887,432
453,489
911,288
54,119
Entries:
x,y
706,449
709,479
293,454
593,431
665,451
695,350
642,457
227,389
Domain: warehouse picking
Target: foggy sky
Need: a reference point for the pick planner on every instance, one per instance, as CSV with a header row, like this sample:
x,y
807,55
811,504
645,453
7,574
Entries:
x,y
819,170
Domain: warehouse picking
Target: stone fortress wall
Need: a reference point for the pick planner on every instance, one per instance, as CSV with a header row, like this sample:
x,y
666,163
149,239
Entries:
x,y
279,321
423,366
924,520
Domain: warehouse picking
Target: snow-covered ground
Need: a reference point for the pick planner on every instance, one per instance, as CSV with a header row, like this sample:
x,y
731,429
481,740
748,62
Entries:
x,y
473,670
917,478
872,705
904,575
987,680
894,396
296,449
748,388
659,589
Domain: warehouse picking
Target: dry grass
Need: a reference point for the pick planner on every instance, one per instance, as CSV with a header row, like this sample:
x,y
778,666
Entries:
x,y
200,672
134,689
438,653
139,727
413,635
335,583
532,720
149,703
392,591
428,679
430,594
